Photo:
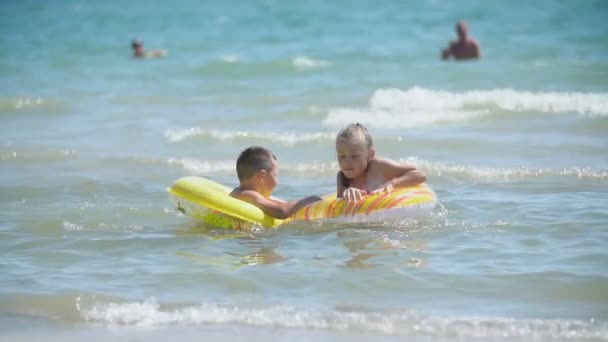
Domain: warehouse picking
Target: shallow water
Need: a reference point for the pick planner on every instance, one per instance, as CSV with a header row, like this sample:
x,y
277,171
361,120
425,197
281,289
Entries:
x,y
514,146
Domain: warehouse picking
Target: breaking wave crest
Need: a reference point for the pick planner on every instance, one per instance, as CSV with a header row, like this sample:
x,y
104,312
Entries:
x,y
151,314
415,107
290,139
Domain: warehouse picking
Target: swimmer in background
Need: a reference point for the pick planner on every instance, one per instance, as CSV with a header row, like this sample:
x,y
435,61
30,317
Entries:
x,y
362,173
140,52
465,47
258,172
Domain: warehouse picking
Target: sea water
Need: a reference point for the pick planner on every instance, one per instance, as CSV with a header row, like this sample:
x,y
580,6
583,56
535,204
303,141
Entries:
x,y
515,146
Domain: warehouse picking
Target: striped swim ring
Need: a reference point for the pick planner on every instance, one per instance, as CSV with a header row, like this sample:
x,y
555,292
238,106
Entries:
x,y
211,202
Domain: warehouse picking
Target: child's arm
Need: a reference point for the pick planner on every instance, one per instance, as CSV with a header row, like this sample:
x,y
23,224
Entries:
x,y
275,207
397,175
278,200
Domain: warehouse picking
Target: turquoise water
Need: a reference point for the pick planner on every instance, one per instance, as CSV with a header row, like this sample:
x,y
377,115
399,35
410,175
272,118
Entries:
x,y
514,145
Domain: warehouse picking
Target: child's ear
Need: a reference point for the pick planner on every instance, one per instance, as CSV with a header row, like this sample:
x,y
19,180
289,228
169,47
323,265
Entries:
x,y
261,174
371,153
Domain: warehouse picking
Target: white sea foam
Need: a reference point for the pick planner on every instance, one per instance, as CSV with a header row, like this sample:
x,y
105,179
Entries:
x,y
151,314
28,101
492,175
197,167
37,155
10,104
431,169
232,59
71,226
303,62
417,106
290,139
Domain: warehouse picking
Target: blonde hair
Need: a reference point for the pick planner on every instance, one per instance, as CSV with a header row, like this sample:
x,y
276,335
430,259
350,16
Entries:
x,y
355,132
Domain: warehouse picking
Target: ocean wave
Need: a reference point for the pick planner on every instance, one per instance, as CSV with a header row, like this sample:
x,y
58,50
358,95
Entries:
x,y
303,62
27,102
34,155
151,314
431,169
290,139
492,175
240,66
198,167
415,107
231,59
70,226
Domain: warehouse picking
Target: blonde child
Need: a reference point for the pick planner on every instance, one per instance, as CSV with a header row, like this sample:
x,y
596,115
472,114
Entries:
x,y
362,173
258,172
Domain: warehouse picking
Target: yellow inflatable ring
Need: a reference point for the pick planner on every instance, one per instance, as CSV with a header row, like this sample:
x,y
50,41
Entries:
x,y
211,202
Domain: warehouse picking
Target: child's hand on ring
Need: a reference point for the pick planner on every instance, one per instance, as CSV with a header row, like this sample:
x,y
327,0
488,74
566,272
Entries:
x,y
386,187
353,194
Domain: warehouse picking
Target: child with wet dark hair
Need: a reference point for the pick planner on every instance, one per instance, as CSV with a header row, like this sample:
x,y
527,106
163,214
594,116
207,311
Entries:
x,y
258,172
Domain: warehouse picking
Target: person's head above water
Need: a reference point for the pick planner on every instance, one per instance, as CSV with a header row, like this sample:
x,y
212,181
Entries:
x,y
252,160
138,48
362,173
462,29
137,42
258,172
463,48
355,149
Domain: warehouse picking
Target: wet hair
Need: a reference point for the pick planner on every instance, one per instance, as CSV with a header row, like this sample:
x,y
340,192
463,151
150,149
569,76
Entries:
x,y
137,42
355,132
252,160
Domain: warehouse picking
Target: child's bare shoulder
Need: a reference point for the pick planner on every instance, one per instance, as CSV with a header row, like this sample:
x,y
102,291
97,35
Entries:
x,y
244,194
382,162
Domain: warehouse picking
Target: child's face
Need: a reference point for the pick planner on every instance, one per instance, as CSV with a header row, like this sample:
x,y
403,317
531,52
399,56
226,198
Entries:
x,y
353,157
270,179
